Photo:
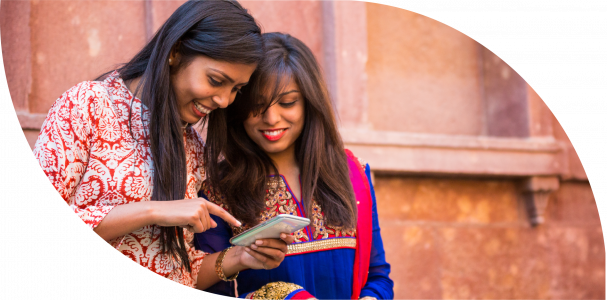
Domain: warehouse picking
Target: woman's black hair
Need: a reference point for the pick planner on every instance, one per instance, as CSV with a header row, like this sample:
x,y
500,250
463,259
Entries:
x,y
319,150
219,29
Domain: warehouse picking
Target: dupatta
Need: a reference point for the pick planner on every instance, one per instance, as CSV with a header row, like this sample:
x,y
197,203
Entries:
x,y
364,226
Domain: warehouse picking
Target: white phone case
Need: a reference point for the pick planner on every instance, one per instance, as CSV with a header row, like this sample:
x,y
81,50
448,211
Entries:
x,y
270,229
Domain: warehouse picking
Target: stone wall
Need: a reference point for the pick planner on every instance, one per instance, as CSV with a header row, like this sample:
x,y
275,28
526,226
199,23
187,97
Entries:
x,y
480,192
470,238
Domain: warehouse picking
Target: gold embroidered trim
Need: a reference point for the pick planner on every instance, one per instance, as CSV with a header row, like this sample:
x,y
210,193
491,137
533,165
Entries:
x,y
275,290
321,245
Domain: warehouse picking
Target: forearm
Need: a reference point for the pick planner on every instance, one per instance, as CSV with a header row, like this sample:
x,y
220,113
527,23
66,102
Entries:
x,y
124,219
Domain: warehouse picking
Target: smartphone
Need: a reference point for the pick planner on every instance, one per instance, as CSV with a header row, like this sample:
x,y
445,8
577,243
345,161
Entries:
x,y
270,229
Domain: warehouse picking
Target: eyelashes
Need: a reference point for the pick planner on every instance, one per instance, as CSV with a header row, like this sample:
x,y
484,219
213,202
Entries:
x,y
287,104
216,83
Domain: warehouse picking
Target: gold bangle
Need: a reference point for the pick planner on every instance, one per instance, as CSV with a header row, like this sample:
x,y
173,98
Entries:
x,y
219,266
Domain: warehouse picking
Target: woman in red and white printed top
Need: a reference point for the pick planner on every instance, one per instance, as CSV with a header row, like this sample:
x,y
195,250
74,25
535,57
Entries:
x,y
121,151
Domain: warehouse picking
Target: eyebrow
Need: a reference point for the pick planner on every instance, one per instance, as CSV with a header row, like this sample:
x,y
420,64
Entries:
x,y
285,93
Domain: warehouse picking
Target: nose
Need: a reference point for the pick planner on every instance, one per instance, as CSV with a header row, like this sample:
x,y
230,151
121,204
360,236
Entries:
x,y
271,115
222,98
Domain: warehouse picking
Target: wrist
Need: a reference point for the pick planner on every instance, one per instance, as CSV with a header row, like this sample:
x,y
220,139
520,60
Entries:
x,y
151,211
232,263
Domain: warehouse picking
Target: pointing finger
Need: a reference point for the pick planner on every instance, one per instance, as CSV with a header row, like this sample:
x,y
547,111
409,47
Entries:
x,y
222,213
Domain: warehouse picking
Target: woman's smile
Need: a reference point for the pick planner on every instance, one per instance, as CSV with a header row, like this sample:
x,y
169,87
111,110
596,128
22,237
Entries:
x,y
273,134
200,110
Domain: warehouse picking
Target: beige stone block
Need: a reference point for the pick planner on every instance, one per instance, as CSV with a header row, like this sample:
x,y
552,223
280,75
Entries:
x,y
423,76
74,41
31,136
16,50
573,204
540,116
494,263
301,19
447,200
505,96
577,263
575,167
415,268
160,11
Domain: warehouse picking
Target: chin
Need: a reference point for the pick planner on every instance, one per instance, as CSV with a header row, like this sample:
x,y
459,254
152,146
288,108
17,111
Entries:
x,y
273,149
191,119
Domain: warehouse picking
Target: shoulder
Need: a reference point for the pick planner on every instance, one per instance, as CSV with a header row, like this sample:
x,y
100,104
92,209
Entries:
x,y
83,94
77,105
356,159
109,93
86,100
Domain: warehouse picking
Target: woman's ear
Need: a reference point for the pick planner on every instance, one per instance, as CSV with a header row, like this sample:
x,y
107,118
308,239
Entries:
x,y
174,58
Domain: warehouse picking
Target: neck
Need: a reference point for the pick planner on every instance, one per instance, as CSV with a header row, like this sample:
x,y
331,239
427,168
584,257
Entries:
x,y
285,161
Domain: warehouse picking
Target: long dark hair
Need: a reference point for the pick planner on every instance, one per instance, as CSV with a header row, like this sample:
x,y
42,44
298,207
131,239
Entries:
x,y
319,149
221,30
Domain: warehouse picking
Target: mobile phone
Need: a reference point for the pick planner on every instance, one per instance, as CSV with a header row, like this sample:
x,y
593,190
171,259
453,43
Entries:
x,y
271,228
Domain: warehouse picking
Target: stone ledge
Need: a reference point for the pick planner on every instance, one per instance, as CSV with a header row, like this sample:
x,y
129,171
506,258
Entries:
x,y
30,121
395,138
397,152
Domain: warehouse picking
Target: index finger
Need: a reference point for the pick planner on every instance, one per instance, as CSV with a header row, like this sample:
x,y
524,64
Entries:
x,y
214,209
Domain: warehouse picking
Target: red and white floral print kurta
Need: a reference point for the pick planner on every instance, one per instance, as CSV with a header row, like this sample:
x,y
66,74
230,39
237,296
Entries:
x,y
88,153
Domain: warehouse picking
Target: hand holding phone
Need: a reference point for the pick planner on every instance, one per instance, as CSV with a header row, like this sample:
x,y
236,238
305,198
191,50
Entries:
x,y
271,229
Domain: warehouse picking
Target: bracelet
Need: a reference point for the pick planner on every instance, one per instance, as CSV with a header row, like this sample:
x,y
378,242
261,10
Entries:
x,y
219,266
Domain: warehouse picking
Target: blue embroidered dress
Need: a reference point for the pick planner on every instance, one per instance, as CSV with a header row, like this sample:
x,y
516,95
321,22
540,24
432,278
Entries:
x,y
321,260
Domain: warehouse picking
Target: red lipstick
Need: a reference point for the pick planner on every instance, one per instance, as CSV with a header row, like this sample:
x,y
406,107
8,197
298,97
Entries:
x,y
197,112
273,134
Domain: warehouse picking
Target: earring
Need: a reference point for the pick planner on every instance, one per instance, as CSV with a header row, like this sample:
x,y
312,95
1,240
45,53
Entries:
x,y
170,61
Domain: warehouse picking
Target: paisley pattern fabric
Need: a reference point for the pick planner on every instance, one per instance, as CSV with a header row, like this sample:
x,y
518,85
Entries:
x,y
96,162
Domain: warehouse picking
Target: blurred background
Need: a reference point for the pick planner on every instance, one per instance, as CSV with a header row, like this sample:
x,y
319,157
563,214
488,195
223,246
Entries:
x,y
480,193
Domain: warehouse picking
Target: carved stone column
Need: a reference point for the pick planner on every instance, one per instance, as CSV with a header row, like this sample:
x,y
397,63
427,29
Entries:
x,y
535,192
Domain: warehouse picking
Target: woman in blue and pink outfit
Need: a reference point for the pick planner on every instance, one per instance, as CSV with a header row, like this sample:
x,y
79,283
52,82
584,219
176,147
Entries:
x,y
285,156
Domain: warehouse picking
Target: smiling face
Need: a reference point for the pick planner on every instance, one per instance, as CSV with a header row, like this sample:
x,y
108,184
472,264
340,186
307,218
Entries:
x,y
205,84
276,130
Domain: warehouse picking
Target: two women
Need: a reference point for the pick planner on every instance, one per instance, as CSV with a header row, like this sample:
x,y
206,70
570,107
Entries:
x,y
284,155
121,151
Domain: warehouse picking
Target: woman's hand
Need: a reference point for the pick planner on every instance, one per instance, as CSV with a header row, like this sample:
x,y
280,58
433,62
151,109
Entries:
x,y
267,255
264,253
192,214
